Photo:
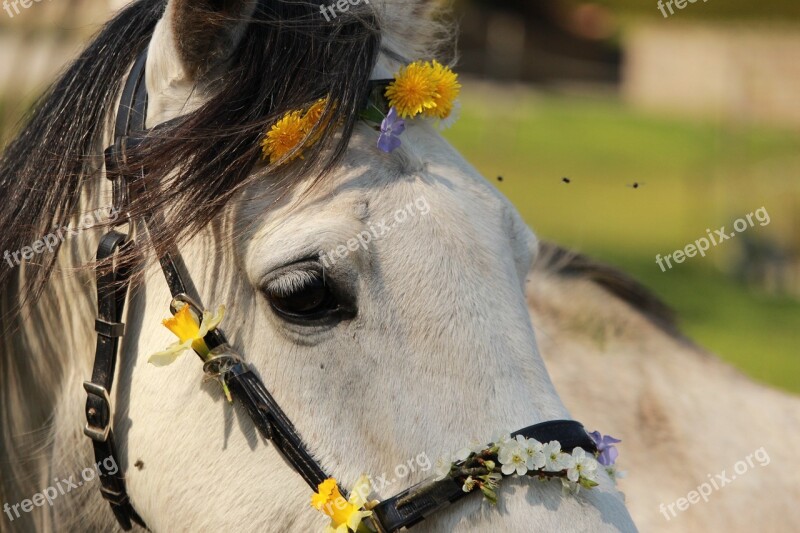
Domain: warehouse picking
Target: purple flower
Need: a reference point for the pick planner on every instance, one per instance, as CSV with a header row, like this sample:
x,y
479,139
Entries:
x,y
605,445
391,128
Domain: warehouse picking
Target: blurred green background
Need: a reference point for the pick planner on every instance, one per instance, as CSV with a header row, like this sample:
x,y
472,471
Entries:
x,y
700,108
695,176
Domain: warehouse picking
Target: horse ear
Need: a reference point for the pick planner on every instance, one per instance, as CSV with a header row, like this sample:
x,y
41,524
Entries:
x,y
414,29
427,9
206,32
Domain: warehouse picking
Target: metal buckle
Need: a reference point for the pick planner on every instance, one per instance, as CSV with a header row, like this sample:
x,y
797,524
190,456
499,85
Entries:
x,y
95,433
187,300
223,360
109,329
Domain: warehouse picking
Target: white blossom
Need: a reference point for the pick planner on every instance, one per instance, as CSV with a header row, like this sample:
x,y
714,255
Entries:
x,y
493,479
469,484
568,487
513,458
477,446
555,459
462,454
583,466
535,452
441,469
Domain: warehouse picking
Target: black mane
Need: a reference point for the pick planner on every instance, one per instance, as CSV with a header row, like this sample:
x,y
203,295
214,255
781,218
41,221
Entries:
x,y
555,259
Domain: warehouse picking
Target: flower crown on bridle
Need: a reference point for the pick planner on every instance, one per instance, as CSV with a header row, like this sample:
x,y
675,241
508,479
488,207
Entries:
x,y
421,89
481,468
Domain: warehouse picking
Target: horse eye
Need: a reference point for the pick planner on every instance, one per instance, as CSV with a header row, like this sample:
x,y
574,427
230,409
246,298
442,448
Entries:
x,y
301,294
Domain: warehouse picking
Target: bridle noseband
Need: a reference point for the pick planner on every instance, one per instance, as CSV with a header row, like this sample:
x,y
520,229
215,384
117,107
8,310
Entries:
x,y
401,511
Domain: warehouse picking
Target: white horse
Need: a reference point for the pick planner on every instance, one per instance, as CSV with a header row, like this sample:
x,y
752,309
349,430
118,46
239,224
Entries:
x,y
431,348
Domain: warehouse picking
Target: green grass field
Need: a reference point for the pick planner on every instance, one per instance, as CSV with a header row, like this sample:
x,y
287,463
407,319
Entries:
x,y
695,176
782,10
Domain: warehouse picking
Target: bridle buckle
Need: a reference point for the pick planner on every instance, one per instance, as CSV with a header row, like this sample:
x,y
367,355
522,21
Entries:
x,y
185,299
95,433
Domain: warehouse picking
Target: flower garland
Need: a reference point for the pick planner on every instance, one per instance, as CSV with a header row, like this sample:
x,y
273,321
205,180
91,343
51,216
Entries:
x,y
422,88
483,468
478,467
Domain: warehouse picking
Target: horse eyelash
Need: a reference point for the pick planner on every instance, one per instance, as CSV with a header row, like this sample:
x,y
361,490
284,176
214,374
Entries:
x,y
291,282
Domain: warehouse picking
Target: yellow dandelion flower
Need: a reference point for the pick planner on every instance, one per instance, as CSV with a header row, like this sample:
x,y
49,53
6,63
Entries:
x,y
413,90
447,90
284,136
313,117
314,113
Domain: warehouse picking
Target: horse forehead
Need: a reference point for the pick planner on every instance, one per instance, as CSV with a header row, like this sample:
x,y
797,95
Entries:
x,y
428,198
414,208
448,191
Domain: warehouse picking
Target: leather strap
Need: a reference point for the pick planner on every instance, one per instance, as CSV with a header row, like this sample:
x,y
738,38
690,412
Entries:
x,y
428,497
116,154
273,424
112,287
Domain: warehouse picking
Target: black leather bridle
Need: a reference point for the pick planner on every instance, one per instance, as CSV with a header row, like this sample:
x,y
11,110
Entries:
x,y
401,511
